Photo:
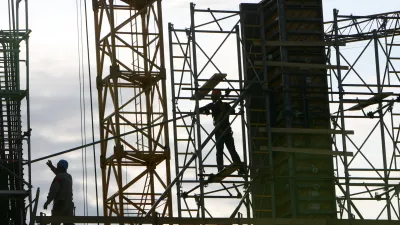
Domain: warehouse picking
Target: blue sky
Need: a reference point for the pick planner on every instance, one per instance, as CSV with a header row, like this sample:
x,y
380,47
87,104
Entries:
x,y
54,89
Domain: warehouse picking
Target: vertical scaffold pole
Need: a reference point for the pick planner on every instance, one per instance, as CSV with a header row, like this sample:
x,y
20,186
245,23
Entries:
x,y
341,112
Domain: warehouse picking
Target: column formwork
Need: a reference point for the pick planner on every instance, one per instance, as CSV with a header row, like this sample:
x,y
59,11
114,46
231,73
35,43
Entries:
x,y
288,111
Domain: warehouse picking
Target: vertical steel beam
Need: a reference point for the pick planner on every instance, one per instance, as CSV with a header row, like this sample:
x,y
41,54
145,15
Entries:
x,y
28,109
97,28
341,113
164,102
243,119
381,124
173,100
114,74
198,123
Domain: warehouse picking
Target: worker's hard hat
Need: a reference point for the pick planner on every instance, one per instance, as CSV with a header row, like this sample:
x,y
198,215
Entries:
x,y
215,95
216,92
63,164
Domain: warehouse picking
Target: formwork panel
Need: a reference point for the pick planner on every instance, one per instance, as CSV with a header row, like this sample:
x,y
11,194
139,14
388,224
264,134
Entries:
x,y
297,98
256,111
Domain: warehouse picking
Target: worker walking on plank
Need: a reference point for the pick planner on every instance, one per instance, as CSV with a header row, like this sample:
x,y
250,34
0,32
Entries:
x,y
60,191
224,134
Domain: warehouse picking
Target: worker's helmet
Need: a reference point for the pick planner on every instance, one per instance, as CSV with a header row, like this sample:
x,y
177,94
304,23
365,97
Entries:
x,y
62,164
215,95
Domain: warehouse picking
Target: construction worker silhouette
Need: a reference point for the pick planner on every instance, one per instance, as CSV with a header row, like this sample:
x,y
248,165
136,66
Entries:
x,y
60,191
224,134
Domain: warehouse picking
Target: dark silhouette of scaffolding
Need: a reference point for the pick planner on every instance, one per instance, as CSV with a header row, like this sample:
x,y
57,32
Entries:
x,y
298,103
318,135
194,74
16,201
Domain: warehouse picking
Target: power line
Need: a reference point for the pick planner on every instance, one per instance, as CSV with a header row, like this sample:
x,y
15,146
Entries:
x,y
83,100
80,104
91,109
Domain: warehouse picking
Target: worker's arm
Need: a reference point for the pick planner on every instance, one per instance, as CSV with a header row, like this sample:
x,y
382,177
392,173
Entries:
x,y
54,189
229,107
53,168
206,109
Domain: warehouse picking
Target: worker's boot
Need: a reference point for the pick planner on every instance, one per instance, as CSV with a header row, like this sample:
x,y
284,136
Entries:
x,y
242,171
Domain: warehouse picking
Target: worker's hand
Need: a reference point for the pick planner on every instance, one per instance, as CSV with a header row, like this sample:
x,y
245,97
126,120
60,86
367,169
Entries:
x,y
49,163
206,112
227,91
45,205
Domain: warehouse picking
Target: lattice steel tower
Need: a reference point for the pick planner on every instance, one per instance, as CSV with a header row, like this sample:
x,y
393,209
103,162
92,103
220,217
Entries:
x,y
15,191
132,98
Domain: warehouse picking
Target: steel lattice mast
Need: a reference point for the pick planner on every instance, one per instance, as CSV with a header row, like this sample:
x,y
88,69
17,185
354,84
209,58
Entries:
x,y
131,92
16,203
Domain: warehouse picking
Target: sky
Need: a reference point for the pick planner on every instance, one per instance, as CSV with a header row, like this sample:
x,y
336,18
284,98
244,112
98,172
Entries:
x,y
55,67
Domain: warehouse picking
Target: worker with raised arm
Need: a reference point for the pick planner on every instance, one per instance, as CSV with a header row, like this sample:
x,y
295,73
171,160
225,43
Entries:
x,y
224,134
60,191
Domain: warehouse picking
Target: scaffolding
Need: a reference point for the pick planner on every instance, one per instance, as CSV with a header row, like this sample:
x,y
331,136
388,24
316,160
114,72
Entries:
x,y
14,109
285,54
364,99
194,74
309,149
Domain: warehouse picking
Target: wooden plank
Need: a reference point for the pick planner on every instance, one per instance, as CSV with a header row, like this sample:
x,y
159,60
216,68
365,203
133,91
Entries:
x,y
310,131
209,85
373,100
311,151
227,171
13,95
305,65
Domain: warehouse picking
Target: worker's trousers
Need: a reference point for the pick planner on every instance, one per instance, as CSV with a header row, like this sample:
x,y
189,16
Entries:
x,y
62,208
227,139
